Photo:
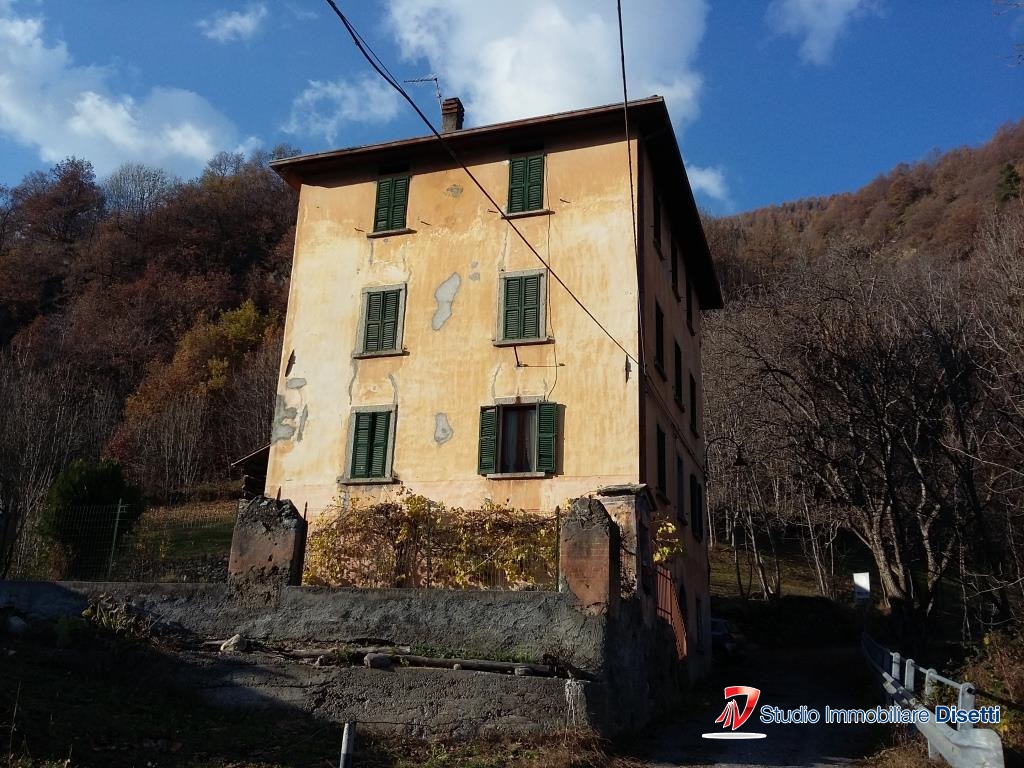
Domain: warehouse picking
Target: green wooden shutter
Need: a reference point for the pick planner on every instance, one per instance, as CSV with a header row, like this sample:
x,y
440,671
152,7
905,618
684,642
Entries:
x,y
389,320
487,462
382,210
680,490
675,268
512,309
678,375
535,183
361,438
659,337
374,318
379,443
531,307
399,202
547,436
517,176
696,509
660,447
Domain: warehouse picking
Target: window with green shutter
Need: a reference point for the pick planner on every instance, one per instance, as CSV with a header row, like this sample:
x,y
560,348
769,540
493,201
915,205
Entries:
x,y
659,337
526,184
522,306
678,380
693,403
680,491
382,317
659,444
371,438
696,508
518,439
392,201
656,219
675,268
689,304
547,435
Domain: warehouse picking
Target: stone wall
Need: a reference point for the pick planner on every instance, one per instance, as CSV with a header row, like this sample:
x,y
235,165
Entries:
x,y
601,627
490,624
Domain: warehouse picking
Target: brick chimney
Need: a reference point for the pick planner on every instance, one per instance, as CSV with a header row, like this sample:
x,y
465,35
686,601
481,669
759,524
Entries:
x,y
452,115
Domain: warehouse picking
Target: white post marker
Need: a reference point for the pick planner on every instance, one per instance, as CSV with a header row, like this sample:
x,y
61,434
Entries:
x,y
862,587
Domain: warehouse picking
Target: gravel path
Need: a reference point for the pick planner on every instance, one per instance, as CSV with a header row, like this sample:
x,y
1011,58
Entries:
x,y
837,677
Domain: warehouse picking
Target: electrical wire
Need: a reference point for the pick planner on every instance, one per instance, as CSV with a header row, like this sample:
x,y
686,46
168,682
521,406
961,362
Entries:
x,y
632,192
382,70
625,118
652,387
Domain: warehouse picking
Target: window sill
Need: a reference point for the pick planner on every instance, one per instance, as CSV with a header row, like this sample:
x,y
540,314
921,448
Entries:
x,y
389,233
523,342
369,480
517,476
386,353
527,214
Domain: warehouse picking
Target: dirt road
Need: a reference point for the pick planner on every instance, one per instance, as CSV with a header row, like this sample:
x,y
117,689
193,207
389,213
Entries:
x,y
837,677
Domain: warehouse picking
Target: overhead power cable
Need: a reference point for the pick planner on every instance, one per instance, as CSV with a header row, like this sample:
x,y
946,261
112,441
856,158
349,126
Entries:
x,y
382,70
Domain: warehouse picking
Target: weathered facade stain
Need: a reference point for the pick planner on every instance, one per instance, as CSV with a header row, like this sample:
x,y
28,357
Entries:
x,y
445,297
494,382
295,383
474,275
455,190
302,423
442,429
283,414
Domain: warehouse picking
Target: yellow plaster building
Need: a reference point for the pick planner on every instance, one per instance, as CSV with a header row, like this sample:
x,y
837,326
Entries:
x,y
427,345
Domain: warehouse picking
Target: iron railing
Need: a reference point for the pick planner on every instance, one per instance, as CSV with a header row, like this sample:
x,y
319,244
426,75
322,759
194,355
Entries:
x,y
911,687
668,607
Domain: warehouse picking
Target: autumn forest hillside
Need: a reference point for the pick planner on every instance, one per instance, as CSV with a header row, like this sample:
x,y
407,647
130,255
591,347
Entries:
x,y
868,363
933,206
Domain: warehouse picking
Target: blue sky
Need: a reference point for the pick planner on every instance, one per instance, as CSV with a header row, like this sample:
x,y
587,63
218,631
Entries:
x,y
772,100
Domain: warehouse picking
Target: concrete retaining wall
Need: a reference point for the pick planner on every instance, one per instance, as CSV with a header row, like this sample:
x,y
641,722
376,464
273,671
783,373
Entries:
x,y
427,703
488,624
434,703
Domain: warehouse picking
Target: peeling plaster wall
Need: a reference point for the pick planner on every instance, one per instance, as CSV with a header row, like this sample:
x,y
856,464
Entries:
x,y
451,266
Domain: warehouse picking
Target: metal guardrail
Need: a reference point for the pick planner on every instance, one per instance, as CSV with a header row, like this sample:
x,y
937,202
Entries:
x,y
963,746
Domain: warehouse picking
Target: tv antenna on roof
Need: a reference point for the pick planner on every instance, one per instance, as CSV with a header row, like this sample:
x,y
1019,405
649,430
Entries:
x,y
428,79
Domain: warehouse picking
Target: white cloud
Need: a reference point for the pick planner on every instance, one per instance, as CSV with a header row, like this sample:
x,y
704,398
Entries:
x,y
816,23
60,108
323,108
709,182
228,26
533,57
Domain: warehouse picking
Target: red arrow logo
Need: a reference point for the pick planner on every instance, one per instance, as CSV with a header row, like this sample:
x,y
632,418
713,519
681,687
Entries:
x,y
731,716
